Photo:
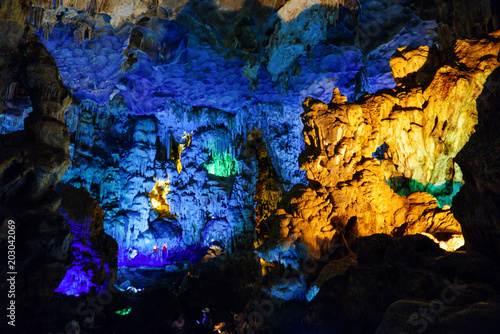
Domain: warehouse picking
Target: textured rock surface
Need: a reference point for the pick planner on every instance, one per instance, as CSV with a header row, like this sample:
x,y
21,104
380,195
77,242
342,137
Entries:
x,y
410,289
172,96
403,140
481,317
36,158
139,85
95,252
185,126
477,206
32,161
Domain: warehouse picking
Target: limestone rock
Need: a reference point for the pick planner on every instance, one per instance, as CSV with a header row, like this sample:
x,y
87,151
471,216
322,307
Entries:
x,y
417,65
371,250
480,317
362,294
382,248
403,140
41,151
162,40
413,250
412,282
332,269
424,215
94,250
32,162
291,236
470,267
268,190
200,67
477,205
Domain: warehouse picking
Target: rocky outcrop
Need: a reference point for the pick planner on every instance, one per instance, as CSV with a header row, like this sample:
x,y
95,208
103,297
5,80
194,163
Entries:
x,y
477,204
409,286
35,159
392,285
481,317
461,19
32,162
212,71
404,140
95,252
268,190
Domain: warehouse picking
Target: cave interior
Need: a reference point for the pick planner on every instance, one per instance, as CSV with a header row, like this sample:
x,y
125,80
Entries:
x,y
250,166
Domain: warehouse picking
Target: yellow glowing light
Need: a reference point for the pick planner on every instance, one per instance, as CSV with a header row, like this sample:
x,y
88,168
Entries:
x,y
155,203
158,198
455,242
266,266
187,137
220,327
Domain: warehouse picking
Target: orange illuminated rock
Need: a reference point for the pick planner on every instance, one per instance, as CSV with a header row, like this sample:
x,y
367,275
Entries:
x,y
418,129
477,205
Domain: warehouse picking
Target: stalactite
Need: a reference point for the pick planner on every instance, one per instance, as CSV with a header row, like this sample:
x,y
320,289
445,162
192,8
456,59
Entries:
x,y
168,144
36,16
11,91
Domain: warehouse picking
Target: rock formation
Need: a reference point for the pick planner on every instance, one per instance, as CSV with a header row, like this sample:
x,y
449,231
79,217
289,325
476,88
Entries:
x,y
212,72
46,135
95,252
407,286
184,124
32,161
476,206
403,140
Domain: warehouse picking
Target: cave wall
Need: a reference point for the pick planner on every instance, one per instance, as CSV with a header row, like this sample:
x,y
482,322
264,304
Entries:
x,y
185,125
32,162
476,205
167,94
172,100
423,123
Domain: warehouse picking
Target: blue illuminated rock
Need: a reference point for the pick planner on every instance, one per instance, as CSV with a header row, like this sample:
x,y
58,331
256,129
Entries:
x,y
95,252
160,100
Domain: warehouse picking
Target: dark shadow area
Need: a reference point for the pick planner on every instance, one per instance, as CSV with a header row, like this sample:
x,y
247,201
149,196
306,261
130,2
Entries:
x,y
477,205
